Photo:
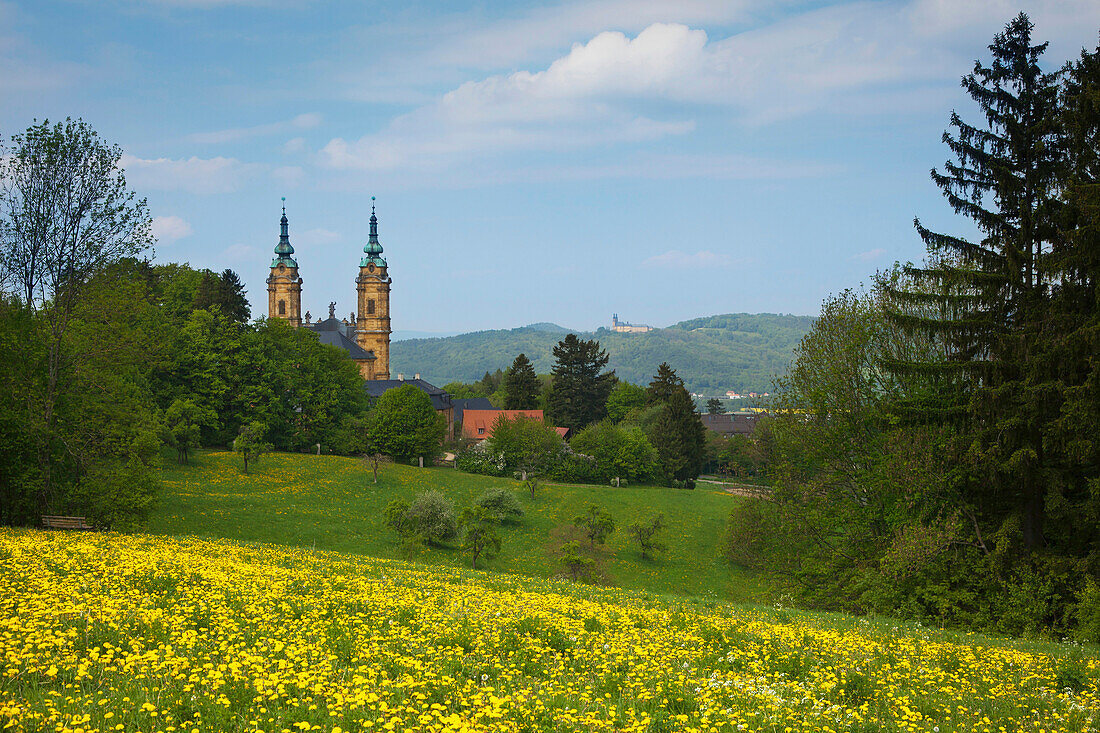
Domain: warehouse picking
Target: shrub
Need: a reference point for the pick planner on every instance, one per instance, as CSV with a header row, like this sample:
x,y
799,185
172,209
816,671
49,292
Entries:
x,y
573,468
646,535
751,529
502,504
618,451
478,459
432,516
596,523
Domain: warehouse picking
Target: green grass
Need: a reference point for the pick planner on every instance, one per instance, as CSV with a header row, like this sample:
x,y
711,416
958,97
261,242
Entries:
x,y
330,503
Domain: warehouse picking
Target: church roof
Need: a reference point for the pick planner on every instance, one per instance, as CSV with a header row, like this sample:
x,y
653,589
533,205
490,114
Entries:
x,y
334,332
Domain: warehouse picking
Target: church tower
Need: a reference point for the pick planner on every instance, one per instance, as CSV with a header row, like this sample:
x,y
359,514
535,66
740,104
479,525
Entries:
x,y
284,287
372,325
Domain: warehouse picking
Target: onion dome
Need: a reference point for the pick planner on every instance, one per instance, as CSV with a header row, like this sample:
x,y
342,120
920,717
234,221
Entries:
x,y
373,248
283,250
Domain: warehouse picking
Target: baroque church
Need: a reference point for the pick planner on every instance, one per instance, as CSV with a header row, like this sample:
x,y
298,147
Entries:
x,y
366,334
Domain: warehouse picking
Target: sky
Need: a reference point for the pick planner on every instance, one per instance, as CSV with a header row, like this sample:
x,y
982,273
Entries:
x,y
547,161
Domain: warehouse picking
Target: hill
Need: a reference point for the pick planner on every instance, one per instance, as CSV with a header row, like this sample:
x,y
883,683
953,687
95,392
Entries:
x,y
330,503
739,351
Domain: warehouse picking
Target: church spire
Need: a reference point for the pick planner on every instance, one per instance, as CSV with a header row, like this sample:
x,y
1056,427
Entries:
x,y
373,248
283,250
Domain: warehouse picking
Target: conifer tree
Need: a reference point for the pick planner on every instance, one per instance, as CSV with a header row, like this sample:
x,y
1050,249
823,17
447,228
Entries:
x,y
521,385
980,302
578,395
677,433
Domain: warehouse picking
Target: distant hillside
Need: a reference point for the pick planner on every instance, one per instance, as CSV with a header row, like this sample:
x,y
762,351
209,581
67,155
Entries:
x,y
739,351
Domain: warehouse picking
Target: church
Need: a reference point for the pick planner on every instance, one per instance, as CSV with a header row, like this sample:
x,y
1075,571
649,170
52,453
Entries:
x,y
366,334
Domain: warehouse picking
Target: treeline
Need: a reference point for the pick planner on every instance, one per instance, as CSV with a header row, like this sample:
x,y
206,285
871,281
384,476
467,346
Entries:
x,y
105,357
621,432
742,352
934,448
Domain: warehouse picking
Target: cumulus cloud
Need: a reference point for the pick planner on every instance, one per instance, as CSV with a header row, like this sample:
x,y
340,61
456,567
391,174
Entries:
x,y
234,134
168,229
568,105
674,258
195,175
853,58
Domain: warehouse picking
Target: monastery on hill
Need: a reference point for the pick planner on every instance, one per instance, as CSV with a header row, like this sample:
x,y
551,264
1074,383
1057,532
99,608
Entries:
x,y
366,335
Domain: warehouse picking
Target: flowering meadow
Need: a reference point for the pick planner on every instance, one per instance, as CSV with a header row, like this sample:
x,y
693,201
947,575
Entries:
x,y
104,632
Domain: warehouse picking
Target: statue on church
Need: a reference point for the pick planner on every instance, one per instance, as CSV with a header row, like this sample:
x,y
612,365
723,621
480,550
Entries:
x,y
308,317
332,309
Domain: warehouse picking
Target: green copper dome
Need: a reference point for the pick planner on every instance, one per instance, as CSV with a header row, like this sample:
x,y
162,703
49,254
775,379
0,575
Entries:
x,y
283,250
373,248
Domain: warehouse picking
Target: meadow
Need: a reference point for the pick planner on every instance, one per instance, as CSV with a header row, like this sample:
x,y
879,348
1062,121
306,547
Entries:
x,y
331,503
101,632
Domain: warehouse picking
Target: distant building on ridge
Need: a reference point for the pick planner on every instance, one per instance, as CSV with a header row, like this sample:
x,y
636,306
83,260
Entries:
x,y
623,327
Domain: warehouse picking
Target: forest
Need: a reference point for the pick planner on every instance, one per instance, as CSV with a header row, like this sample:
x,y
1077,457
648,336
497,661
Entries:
x,y
741,352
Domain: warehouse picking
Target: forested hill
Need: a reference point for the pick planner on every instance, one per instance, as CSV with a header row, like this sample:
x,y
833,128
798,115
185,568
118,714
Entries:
x,y
739,351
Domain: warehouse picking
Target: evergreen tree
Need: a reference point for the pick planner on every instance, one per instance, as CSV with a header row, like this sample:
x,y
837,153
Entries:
x,y
980,302
226,291
578,395
677,433
521,385
1069,364
714,406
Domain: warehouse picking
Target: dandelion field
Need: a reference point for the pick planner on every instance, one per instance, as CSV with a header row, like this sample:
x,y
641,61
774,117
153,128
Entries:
x,y
102,631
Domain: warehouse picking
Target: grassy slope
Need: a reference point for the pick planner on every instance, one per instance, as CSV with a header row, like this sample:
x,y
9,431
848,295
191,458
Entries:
x,y
330,503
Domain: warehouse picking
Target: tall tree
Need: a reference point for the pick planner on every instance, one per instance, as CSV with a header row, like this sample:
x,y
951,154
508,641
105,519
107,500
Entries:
x,y
66,214
677,433
578,395
982,301
226,291
521,385
404,424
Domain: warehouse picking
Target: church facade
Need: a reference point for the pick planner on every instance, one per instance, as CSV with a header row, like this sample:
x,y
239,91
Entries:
x,y
366,335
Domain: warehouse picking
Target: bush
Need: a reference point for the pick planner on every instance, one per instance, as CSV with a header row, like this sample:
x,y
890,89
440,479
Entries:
x,y
432,517
478,459
751,531
645,534
502,504
573,468
623,452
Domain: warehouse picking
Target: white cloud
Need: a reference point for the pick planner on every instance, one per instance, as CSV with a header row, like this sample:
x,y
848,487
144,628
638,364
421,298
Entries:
x,y
196,175
674,258
294,145
168,229
570,104
870,255
301,122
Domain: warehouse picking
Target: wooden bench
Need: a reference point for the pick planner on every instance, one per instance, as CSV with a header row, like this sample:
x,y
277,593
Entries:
x,y
65,523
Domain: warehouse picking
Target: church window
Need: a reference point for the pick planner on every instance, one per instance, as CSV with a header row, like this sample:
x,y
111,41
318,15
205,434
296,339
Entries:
x,y
370,307
282,307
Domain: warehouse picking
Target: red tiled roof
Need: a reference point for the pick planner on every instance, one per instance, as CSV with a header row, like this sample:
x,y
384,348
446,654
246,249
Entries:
x,y
478,424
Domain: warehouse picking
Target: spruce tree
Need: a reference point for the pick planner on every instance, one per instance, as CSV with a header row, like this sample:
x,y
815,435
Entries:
x,y
980,302
521,385
677,433
578,394
1069,362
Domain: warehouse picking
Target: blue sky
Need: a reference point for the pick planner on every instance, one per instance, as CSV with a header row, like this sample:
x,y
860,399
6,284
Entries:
x,y
532,161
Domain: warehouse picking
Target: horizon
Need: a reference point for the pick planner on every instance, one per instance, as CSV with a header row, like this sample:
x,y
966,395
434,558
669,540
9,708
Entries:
x,y
538,162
